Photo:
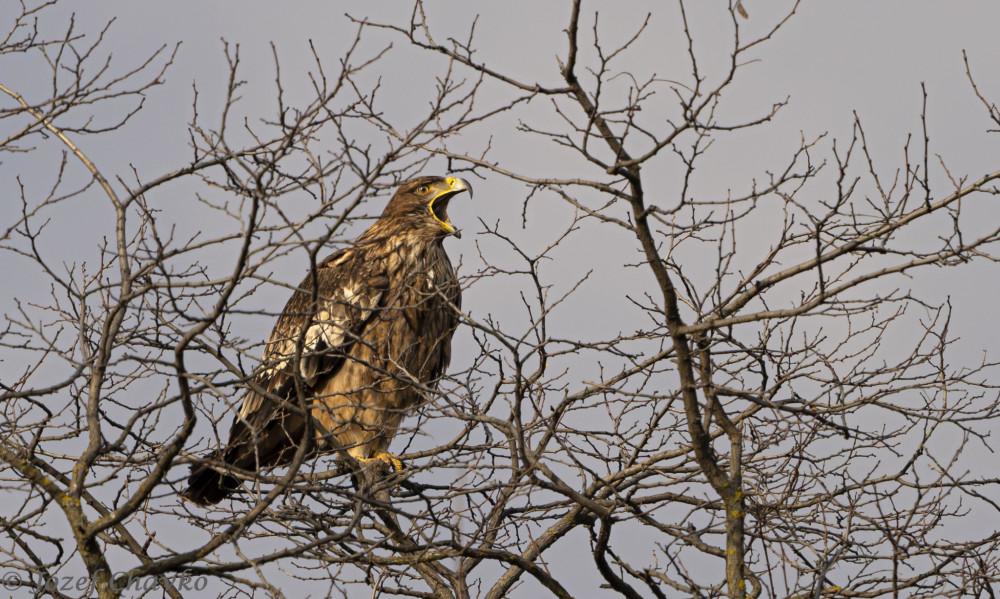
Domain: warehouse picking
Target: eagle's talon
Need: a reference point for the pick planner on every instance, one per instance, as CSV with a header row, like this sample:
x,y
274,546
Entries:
x,y
391,460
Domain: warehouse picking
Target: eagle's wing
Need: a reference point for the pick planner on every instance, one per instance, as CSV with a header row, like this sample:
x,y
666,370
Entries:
x,y
317,328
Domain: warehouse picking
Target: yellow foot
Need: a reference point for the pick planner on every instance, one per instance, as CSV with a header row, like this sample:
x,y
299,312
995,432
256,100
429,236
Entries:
x,y
389,459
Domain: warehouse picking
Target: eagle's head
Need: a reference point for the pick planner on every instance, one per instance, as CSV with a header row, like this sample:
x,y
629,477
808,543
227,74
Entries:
x,y
421,205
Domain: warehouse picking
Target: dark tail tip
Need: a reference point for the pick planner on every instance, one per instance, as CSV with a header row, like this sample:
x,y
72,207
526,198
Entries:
x,y
207,486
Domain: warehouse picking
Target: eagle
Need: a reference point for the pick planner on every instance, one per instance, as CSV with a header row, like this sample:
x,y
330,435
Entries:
x,y
362,339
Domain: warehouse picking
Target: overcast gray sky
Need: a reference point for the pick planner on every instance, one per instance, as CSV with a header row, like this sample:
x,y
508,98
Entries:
x,y
832,61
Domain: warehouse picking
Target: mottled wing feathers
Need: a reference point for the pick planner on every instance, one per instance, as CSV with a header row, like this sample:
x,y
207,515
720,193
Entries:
x,y
323,318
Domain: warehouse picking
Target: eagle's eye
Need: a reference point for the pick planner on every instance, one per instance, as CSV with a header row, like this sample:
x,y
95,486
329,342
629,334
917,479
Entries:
x,y
423,189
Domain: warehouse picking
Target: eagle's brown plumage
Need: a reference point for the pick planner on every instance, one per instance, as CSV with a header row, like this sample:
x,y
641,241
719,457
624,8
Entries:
x,y
372,326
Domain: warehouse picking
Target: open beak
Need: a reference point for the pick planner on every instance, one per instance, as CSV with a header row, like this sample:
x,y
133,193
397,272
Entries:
x,y
455,185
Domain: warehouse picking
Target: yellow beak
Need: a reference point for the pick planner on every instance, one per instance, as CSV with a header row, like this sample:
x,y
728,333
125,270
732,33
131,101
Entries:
x,y
454,185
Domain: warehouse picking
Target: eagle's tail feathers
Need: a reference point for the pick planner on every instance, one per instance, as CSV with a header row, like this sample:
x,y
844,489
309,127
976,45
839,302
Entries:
x,y
207,486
